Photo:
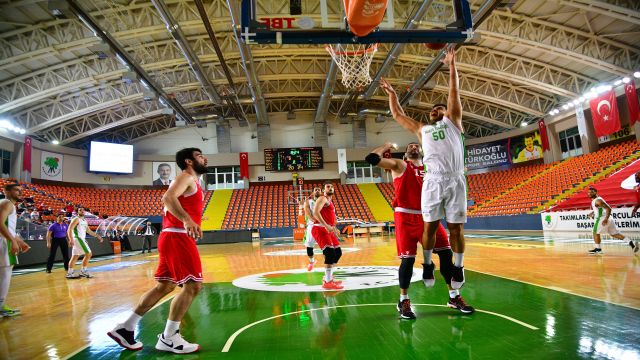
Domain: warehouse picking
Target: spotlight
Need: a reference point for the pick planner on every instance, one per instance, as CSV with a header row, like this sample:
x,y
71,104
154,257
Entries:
x,y
55,142
23,131
626,80
570,104
636,74
575,102
551,112
565,106
618,82
523,124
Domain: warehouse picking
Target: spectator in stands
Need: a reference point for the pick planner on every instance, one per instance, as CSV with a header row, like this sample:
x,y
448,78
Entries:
x,y
164,173
69,209
35,215
41,207
48,211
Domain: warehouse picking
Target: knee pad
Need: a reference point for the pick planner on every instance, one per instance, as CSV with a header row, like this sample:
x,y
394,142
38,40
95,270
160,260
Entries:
x,y
310,252
329,255
446,264
406,271
337,254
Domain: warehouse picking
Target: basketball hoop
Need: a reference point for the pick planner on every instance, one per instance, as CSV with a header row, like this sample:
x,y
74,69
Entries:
x,y
354,61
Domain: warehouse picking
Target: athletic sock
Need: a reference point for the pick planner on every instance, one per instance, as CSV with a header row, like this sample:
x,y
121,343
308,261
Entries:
x,y
404,297
327,274
84,268
171,328
453,293
458,259
311,259
70,272
5,280
427,256
131,323
597,246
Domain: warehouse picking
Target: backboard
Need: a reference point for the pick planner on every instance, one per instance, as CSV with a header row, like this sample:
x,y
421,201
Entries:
x,y
324,22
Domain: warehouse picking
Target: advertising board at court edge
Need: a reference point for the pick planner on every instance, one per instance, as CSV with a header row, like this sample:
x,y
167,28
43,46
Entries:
x,y
578,220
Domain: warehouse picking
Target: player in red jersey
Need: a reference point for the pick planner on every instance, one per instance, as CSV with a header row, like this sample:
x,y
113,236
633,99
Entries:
x,y
326,235
407,182
179,261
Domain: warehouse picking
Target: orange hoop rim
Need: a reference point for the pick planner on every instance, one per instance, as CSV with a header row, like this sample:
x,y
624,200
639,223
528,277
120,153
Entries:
x,y
371,48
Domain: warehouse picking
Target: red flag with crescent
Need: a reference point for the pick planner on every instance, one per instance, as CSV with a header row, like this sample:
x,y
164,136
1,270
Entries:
x,y
604,111
26,158
632,102
543,135
244,165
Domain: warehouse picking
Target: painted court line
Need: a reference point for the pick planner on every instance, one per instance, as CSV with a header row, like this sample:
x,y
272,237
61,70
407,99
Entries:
x,y
233,337
86,346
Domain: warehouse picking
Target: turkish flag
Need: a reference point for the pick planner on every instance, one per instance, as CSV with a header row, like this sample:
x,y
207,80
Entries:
x,y
244,165
632,102
26,158
604,111
543,135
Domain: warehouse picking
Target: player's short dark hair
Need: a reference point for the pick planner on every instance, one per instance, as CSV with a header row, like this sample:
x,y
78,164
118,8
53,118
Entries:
x,y
593,188
80,207
9,187
327,182
439,104
185,154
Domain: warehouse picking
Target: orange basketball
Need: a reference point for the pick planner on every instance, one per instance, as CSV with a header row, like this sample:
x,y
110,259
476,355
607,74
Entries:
x,y
435,46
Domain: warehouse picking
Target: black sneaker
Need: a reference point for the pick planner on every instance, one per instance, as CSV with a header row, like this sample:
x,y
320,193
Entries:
x,y
457,277
632,245
595,251
125,338
427,275
48,271
458,303
405,310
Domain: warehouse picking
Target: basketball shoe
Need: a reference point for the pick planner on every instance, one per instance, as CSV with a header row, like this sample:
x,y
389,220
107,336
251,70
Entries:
x,y
311,264
406,310
595,251
125,338
176,344
458,303
331,285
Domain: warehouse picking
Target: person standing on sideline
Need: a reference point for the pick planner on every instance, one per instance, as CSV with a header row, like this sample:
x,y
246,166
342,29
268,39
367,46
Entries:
x,y
10,244
444,189
77,234
57,237
179,261
603,224
148,236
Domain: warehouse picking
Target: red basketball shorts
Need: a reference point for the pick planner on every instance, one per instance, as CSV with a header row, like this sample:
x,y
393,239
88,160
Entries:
x,y
324,238
179,258
409,228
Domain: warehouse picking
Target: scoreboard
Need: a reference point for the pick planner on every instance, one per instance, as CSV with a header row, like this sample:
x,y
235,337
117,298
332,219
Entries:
x,y
293,159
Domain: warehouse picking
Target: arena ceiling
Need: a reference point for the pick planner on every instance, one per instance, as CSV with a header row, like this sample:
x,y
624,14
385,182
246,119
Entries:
x,y
532,56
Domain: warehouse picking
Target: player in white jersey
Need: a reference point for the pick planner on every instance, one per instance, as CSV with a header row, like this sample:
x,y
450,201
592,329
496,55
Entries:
x,y
444,189
603,224
10,243
309,241
77,235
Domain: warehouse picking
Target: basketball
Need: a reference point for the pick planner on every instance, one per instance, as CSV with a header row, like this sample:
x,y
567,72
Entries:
x,y
435,46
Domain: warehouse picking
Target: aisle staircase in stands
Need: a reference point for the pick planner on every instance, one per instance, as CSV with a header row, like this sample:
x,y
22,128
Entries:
x,y
216,209
379,206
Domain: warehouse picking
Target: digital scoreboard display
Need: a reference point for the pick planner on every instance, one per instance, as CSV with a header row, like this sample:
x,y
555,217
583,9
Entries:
x,y
293,159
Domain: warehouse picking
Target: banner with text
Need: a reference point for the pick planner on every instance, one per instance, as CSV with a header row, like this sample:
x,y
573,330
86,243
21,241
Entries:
x,y
489,154
578,220
51,166
624,132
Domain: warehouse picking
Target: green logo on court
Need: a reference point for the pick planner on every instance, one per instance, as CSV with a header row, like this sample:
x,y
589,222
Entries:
x,y
301,280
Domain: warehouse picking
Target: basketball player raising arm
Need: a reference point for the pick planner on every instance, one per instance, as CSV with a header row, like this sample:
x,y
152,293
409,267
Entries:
x,y
183,184
444,186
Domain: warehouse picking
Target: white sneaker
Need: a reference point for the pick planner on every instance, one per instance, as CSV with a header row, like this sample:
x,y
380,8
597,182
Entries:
x,y
176,344
85,273
73,275
125,338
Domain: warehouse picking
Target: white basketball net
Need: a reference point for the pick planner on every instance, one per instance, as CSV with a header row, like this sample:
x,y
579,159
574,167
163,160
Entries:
x,y
354,61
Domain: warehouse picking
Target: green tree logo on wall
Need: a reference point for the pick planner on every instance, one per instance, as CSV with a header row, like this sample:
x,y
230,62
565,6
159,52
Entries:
x,y
548,221
51,166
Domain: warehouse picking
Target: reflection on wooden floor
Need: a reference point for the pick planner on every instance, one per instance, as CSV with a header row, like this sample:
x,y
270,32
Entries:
x,y
61,316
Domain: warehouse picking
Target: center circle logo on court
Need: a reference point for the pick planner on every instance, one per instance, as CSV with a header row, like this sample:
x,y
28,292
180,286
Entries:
x,y
303,252
301,280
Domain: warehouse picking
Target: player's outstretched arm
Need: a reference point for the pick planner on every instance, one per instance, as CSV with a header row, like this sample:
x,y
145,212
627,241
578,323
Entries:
x,y
454,105
179,186
397,111
94,234
376,158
